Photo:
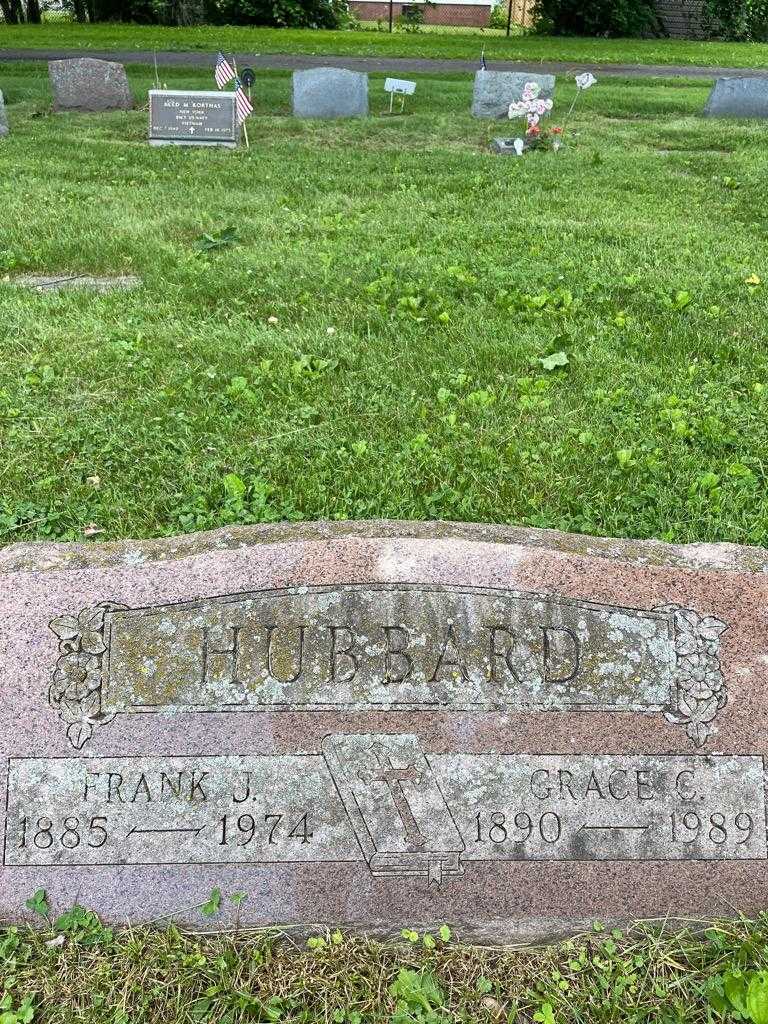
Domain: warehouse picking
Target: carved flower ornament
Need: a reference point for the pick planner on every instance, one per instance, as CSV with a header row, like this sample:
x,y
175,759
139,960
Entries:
x,y
85,628
75,691
699,680
75,677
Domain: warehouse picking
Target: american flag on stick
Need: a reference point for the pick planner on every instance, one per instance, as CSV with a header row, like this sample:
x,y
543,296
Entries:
x,y
223,72
243,105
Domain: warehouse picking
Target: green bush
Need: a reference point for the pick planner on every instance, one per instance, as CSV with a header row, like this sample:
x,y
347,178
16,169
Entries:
x,y
597,17
279,13
738,20
499,16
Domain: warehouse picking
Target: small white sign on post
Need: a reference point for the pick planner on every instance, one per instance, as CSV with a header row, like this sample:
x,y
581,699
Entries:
x,y
402,87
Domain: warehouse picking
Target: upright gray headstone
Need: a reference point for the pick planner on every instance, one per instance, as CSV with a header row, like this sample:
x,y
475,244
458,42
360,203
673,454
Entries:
x,y
330,92
89,85
738,97
3,118
495,90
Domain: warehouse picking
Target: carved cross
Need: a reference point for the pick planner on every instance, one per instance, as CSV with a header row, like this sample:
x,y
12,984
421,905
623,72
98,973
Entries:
x,y
385,772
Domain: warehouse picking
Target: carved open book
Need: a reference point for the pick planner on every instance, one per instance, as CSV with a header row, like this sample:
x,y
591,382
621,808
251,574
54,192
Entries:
x,y
395,805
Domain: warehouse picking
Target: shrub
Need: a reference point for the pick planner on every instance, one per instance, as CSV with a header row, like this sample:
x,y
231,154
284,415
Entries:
x,y
499,16
411,16
739,20
598,17
281,13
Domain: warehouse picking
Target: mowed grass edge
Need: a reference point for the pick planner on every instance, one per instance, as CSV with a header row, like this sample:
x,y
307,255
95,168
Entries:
x,y
464,45
80,971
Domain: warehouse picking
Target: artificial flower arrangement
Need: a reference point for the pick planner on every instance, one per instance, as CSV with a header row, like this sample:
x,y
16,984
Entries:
x,y
533,108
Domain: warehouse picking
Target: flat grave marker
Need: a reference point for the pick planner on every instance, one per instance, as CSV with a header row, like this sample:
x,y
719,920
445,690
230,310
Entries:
x,y
188,117
69,282
364,724
507,147
89,85
738,97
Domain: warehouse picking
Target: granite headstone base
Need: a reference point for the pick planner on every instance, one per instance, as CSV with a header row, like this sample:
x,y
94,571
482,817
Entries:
x,y
495,90
89,85
383,724
738,97
330,93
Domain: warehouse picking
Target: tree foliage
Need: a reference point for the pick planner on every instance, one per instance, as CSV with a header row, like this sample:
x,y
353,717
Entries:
x,y
15,12
279,13
597,17
738,20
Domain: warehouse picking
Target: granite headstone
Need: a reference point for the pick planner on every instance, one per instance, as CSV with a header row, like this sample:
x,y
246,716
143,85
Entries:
x,y
188,118
4,130
87,84
738,97
330,92
375,724
495,90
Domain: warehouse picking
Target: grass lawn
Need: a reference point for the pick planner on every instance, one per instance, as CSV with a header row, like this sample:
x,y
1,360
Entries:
x,y
459,44
143,976
372,343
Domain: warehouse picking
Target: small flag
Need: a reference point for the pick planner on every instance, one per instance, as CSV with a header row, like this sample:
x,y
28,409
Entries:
x,y
223,72
483,65
243,105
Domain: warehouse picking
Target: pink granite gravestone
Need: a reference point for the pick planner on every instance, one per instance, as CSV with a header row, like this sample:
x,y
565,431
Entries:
x,y
87,84
376,725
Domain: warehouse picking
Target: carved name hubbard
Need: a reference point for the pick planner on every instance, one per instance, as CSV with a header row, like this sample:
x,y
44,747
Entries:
x,y
355,647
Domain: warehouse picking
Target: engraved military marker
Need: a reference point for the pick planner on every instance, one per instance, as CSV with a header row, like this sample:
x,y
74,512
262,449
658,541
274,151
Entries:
x,y
181,117
368,725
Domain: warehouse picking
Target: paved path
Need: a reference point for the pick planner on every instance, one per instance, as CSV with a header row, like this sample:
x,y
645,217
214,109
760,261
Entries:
x,y
292,62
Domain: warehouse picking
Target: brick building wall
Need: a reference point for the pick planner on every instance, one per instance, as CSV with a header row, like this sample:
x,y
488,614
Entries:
x,y
681,19
475,15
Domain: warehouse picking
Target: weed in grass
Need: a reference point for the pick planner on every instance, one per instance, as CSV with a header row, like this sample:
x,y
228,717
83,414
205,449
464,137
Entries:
x,y
211,242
